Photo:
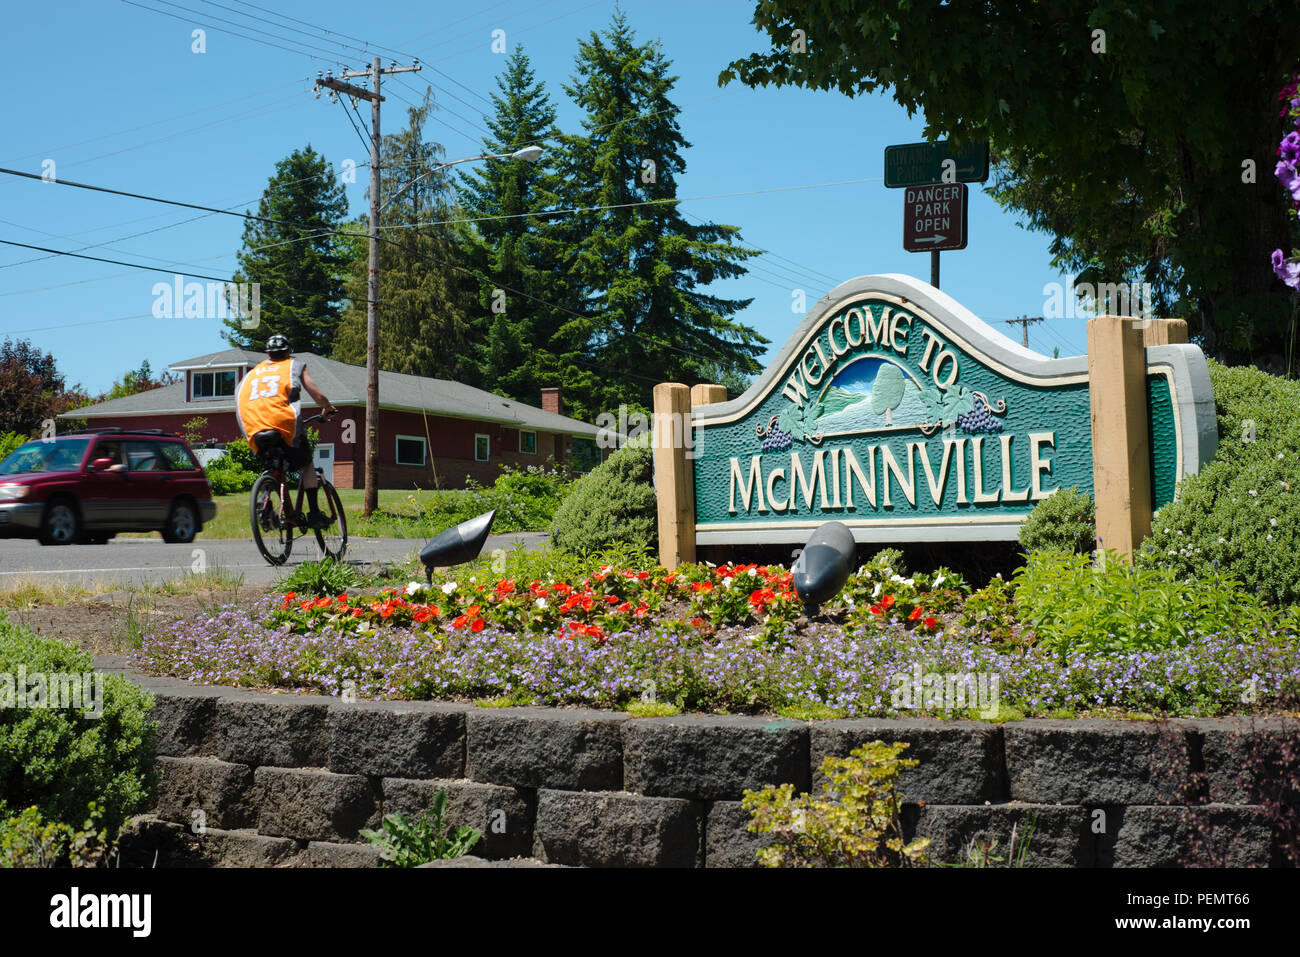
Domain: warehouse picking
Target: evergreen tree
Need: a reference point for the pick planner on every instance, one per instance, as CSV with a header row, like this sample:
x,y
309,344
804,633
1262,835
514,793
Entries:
x,y
423,296
515,249
296,258
641,268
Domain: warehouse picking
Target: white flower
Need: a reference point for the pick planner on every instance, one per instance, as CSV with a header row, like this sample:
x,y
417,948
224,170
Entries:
x,y
938,581
540,603
413,587
1251,493
1222,540
1273,522
876,593
753,573
448,587
1279,455
1268,538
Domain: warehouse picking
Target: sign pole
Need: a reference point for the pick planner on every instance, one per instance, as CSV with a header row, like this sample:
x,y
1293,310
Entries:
x,y
934,268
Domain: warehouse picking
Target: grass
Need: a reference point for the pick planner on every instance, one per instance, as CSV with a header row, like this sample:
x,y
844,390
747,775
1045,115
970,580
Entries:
x,y
34,591
398,515
651,709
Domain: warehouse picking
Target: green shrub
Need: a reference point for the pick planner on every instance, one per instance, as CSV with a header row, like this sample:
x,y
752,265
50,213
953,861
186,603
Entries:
x,y
1064,521
1076,607
1241,513
28,840
1244,395
59,760
856,823
325,577
615,502
10,441
1240,517
405,843
228,477
242,454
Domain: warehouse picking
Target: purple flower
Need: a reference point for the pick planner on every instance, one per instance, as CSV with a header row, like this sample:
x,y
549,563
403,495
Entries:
x,y
1287,271
1289,148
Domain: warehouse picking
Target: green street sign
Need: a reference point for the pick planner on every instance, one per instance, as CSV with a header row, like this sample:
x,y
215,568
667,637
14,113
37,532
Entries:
x,y
897,411
921,164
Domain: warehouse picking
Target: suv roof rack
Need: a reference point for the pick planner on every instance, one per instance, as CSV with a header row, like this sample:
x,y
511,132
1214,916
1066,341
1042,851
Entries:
x,y
118,430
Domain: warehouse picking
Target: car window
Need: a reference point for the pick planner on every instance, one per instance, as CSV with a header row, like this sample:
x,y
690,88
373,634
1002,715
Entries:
x,y
111,449
143,457
176,457
61,455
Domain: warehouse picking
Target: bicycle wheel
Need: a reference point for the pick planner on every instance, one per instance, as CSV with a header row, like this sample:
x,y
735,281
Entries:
x,y
273,535
333,541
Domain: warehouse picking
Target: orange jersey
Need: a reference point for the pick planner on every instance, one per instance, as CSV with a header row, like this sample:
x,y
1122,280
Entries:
x,y
268,398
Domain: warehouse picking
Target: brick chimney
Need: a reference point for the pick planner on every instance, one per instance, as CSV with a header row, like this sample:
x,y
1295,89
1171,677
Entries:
x,y
551,401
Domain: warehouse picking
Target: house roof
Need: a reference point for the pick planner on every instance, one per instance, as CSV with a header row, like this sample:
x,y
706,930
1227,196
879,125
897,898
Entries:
x,y
344,384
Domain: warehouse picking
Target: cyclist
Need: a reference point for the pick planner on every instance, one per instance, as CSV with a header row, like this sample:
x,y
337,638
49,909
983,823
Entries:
x,y
270,414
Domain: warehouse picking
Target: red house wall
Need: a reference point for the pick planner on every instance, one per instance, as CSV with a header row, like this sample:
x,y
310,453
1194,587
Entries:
x,y
450,444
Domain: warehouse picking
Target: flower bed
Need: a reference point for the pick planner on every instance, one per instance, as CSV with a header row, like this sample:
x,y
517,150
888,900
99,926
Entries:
x,y
729,638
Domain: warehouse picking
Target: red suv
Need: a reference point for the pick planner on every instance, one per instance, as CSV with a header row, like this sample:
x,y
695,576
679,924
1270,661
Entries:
x,y
88,486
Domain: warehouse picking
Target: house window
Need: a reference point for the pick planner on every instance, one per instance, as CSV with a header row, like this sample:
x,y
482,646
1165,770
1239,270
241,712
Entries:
x,y
482,447
214,385
410,450
528,442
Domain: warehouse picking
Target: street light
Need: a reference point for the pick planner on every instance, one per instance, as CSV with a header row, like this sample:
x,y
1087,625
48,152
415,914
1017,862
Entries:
x,y
530,154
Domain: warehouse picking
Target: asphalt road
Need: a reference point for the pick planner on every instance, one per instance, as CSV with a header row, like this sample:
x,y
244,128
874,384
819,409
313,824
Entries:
x,y
125,561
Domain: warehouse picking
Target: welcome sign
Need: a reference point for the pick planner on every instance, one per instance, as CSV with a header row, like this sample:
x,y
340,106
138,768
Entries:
x,y
897,411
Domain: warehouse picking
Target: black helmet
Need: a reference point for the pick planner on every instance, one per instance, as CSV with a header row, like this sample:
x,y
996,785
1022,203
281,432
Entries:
x,y
276,345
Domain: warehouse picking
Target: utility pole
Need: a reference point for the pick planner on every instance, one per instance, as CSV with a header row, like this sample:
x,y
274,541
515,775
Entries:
x,y
372,306
1023,322
934,268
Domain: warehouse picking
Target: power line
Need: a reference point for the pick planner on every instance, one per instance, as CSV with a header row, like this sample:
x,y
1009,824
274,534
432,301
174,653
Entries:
x,y
231,32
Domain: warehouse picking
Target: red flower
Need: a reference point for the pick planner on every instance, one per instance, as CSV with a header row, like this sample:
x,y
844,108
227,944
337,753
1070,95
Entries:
x,y
386,611
473,609
887,602
422,615
641,612
562,588
930,622
642,575
290,595
342,599
669,579
322,602
698,587
477,625
624,608
460,621
916,613
587,603
506,586
877,610
699,623
304,605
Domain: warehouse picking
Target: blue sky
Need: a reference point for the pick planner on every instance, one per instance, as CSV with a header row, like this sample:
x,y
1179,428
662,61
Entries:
x,y
115,96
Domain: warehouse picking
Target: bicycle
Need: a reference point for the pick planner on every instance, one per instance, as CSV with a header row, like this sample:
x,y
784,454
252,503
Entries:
x,y
274,522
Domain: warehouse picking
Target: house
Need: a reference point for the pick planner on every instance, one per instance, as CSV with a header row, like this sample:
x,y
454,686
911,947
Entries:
x,y
433,433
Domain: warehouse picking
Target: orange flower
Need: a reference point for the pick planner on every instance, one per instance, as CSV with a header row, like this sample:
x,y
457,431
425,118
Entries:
x,y
641,612
562,588
698,587
611,599
290,595
698,622
887,602
506,586
624,608
473,610
386,611
460,621
930,622
916,613
587,603
477,625
304,605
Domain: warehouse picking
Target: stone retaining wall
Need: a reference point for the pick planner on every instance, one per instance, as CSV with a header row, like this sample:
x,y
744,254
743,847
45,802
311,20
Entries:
x,y
281,776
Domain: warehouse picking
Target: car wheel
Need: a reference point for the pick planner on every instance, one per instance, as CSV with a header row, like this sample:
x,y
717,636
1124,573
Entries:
x,y
60,525
182,524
